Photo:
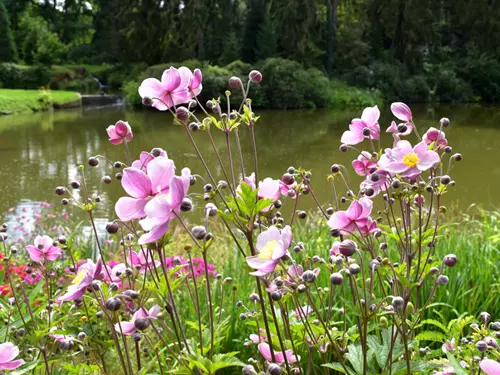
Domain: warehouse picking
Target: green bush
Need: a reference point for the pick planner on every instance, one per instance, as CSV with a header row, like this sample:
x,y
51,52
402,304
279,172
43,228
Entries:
x,y
13,76
447,86
483,75
343,95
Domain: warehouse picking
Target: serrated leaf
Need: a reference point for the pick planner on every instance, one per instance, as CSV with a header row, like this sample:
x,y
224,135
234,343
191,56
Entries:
x,y
431,336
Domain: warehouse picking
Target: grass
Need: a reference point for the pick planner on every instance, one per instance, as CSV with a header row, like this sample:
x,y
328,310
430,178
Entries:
x,y
25,101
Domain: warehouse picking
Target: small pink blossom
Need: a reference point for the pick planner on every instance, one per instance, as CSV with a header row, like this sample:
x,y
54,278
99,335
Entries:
x,y
436,136
272,244
87,272
378,181
173,89
143,260
364,165
119,132
145,158
448,346
265,351
269,189
394,129
128,328
303,312
334,250
356,216
401,111
8,351
368,120
490,367
43,249
419,200
407,160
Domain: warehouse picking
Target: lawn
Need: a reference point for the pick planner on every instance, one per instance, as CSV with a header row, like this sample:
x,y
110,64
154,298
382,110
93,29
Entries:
x,y
23,101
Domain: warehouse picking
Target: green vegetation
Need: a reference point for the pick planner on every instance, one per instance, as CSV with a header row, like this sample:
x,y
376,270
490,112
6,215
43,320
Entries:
x,y
8,50
19,101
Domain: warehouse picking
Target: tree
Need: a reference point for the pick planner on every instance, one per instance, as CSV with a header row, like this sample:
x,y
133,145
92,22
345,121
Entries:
x,y
267,38
255,16
8,50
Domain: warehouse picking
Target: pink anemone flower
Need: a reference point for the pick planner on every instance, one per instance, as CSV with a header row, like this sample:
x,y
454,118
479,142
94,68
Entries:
x,y
164,207
43,249
295,272
356,216
119,132
490,367
369,120
271,246
407,160
8,351
145,158
394,129
195,78
401,111
364,165
142,186
436,136
170,91
87,272
143,260
265,351
378,181
114,272
269,189
128,328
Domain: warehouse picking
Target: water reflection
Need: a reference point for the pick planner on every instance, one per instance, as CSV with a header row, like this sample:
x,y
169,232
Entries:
x,y
41,151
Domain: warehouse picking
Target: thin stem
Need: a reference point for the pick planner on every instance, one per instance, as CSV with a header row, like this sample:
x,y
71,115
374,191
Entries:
x,y
210,305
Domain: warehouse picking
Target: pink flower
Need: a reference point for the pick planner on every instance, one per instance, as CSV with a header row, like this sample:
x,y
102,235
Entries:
x,y
195,78
8,351
490,367
265,351
378,181
419,200
334,250
114,271
401,111
128,328
447,346
368,120
269,189
144,260
436,136
164,207
142,186
172,90
43,249
356,216
145,158
364,165
271,246
60,338
303,312
408,161
119,132
446,370
87,272
394,129
295,273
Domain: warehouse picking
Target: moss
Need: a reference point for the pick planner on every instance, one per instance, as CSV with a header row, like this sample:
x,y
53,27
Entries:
x,y
24,101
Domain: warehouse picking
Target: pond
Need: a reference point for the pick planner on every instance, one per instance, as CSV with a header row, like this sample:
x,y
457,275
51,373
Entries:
x,y
41,151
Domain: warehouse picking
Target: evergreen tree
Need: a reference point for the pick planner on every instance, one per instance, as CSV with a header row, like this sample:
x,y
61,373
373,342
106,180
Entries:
x,y
8,50
267,39
255,16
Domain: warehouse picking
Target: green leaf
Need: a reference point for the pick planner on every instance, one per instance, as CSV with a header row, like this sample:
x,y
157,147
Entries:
x,y
456,366
431,336
338,367
434,323
24,370
355,357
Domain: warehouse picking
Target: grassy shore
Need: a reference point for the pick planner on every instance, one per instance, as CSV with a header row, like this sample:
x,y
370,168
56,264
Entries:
x,y
25,101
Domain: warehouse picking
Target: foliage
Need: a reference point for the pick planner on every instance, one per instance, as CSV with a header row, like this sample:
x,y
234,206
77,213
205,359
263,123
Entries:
x,y
22,101
15,76
8,51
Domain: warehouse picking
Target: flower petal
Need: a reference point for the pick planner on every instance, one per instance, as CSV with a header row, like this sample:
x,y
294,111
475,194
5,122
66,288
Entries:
x,y
370,115
351,138
170,79
136,183
129,208
160,172
151,88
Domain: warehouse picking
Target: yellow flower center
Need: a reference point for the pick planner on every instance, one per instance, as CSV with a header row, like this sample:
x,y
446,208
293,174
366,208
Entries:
x,y
79,277
411,159
267,251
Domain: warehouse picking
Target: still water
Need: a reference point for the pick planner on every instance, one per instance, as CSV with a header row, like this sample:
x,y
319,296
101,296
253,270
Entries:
x,y
41,151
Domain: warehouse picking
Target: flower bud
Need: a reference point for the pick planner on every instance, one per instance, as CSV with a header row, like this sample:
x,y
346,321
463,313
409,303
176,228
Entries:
x,y
235,82
142,323
343,147
82,336
444,122
481,346
131,294
113,304
347,248
182,114
254,297
93,161
186,204
60,190
384,323
199,232
450,260
112,228
445,180
485,317
336,278
136,337
398,302
274,369
194,127
276,295
354,269
443,280
457,157
67,345
309,276
335,168
248,370
288,179
255,76
211,209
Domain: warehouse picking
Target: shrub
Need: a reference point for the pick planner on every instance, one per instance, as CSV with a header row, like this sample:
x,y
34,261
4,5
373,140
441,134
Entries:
x,y
14,76
8,51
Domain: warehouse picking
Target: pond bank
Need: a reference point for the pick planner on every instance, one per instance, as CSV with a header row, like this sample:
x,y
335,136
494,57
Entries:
x,y
26,101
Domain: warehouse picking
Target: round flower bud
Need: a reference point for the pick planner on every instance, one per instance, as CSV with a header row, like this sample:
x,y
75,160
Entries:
x,y
136,337
366,132
491,342
276,295
369,191
60,190
20,332
248,370
93,161
147,101
457,157
301,288
482,346
186,204
112,228
255,76
448,149
347,247
192,180
450,260
243,316
274,369
309,276
302,214
211,209
254,297
485,317
82,336
235,82
398,302
119,176
443,280
343,147
199,232
182,113
495,326
329,211
335,168
288,179
194,127
354,269
336,278
113,304
445,180
142,323
444,122
67,345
